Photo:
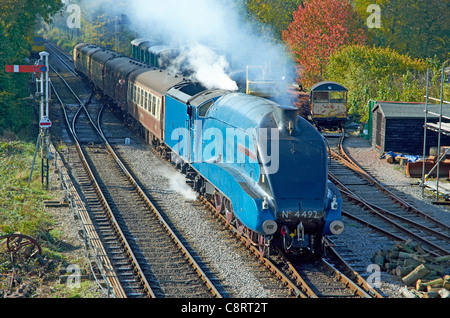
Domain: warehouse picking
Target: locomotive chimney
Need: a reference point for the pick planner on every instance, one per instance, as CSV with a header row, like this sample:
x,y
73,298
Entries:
x,y
286,118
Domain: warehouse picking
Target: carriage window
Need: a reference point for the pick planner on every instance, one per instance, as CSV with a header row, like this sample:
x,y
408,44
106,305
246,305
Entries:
x,y
139,96
134,93
202,110
158,108
151,104
338,97
154,106
321,97
145,100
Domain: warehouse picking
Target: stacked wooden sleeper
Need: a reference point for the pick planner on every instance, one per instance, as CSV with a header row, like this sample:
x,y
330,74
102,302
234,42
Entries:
x,y
424,275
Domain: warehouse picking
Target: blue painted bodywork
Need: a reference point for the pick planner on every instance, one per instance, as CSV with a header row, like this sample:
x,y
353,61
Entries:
x,y
267,161
225,147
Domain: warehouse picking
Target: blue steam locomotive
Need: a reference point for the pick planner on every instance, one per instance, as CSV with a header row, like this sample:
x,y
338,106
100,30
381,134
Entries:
x,y
261,165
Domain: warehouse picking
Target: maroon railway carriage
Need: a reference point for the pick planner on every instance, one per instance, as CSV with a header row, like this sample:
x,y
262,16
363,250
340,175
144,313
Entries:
x,y
146,99
137,89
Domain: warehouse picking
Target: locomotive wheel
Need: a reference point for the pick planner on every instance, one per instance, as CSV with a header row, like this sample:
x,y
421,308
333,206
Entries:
x,y
248,235
262,246
228,210
218,202
240,227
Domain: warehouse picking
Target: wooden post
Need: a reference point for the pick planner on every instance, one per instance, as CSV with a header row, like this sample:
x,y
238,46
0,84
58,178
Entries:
x,y
442,259
432,294
447,282
419,272
421,286
403,271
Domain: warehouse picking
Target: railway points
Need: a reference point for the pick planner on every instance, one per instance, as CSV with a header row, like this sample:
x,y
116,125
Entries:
x,y
246,239
289,277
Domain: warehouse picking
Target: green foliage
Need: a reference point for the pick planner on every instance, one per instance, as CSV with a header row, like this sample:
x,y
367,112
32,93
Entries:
x,y
381,74
418,28
273,14
18,20
21,204
96,28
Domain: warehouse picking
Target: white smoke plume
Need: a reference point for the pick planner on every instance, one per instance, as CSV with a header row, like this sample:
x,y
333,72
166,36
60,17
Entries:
x,y
177,183
207,67
199,26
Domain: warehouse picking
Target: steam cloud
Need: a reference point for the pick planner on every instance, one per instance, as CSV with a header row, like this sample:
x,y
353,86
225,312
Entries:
x,y
197,26
207,67
178,184
176,181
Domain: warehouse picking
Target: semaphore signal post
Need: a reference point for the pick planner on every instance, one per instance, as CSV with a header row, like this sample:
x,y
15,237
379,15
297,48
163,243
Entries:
x,y
43,93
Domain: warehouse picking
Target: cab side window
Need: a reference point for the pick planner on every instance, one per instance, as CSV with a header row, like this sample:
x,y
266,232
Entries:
x,y
203,109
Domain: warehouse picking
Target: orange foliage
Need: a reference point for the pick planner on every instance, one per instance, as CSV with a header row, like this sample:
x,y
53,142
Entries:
x,y
318,29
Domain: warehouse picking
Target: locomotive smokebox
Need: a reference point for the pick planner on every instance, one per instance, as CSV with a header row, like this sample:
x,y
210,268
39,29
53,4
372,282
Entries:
x,y
286,118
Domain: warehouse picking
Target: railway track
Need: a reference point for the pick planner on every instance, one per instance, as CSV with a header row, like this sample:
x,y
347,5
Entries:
x,y
321,279
306,277
147,257
300,278
370,203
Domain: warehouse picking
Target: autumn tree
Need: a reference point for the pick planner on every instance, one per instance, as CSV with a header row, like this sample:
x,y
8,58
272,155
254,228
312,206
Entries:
x,y
319,28
18,20
275,14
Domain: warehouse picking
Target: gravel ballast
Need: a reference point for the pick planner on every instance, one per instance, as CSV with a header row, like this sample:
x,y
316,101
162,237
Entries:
x,y
162,180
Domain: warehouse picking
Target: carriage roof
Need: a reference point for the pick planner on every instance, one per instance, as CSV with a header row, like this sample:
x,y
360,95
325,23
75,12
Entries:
x,y
327,86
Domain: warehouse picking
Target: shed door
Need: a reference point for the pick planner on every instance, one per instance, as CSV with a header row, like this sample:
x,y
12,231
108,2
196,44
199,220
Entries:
x,y
378,132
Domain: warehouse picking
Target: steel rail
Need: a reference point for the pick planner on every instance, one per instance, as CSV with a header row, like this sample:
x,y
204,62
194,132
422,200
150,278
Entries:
x,y
266,262
348,282
382,213
356,278
345,159
57,53
118,290
403,219
300,281
166,226
149,203
361,292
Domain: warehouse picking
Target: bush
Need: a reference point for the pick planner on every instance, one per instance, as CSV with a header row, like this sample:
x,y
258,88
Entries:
x,y
380,74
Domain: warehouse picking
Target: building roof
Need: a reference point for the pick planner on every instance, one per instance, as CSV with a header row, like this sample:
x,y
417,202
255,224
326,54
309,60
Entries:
x,y
410,110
